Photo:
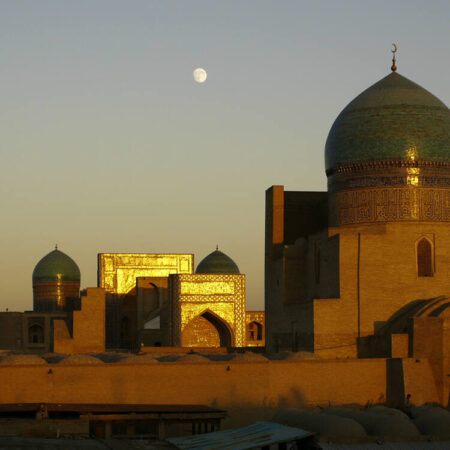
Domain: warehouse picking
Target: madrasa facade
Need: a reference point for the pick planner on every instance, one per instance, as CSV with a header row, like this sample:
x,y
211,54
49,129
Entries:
x,y
142,300
362,270
158,300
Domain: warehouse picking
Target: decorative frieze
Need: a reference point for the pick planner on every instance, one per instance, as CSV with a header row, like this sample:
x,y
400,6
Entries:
x,y
389,191
383,173
390,205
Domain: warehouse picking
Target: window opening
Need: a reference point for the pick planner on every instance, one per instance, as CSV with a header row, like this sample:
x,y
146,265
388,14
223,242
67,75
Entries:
x,y
254,331
424,258
35,334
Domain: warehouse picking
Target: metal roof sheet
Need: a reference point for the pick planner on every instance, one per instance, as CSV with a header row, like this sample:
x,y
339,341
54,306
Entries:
x,y
256,435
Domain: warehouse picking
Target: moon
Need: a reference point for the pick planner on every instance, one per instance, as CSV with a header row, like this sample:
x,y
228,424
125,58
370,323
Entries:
x,y
395,48
200,75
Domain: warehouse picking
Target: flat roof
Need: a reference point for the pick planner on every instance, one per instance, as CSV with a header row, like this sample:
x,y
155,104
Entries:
x,y
107,408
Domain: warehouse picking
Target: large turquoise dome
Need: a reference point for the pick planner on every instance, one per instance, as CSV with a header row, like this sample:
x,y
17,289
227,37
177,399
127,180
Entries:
x,y
217,263
395,119
56,266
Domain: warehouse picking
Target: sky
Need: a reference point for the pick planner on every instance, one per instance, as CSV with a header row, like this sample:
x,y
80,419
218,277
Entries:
x,y
107,143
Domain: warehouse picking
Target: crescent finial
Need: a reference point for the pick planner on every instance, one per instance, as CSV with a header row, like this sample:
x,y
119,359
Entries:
x,y
394,67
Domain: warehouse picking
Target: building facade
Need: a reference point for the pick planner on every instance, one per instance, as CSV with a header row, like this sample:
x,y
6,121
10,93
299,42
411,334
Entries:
x,y
157,300
130,303
351,272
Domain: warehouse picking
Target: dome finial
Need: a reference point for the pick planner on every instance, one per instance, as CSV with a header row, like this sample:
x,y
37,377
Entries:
x,y
56,246
217,247
394,67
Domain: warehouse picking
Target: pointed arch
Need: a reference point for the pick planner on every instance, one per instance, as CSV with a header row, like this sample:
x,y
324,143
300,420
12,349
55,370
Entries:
x,y
207,330
152,303
424,258
434,307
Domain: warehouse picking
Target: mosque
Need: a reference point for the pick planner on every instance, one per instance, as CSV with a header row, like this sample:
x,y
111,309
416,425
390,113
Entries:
x,y
362,270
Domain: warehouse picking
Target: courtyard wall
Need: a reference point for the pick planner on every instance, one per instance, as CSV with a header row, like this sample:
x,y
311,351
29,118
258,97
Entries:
x,y
249,391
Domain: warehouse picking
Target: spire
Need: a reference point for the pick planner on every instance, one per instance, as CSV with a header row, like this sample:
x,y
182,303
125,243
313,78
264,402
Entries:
x,y
394,67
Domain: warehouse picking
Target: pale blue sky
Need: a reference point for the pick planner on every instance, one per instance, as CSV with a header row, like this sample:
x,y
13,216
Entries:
x,y
108,145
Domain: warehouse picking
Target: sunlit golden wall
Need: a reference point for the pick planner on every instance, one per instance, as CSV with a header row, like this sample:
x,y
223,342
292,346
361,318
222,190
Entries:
x,y
222,296
238,387
88,326
259,318
200,332
117,272
378,276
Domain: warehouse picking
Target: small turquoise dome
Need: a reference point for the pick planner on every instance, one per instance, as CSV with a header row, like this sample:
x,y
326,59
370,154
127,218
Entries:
x,y
217,263
395,119
56,266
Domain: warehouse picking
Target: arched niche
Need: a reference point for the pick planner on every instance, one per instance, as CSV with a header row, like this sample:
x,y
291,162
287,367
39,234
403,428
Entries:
x,y
36,334
424,258
254,331
206,330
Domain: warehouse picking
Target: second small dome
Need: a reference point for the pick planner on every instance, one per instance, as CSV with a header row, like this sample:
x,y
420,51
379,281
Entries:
x,y
56,266
217,263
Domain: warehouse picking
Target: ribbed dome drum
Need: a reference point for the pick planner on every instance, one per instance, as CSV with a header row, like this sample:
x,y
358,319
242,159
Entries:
x,y
56,277
387,156
217,263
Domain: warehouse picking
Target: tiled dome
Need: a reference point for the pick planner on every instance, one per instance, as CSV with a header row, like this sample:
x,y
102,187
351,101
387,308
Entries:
x,y
56,266
217,263
395,119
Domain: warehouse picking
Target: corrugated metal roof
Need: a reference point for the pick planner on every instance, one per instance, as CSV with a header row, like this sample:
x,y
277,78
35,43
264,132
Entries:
x,y
257,435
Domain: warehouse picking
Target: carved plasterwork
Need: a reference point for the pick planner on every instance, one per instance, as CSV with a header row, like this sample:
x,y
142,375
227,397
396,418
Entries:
x,y
255,316
390,205
221,295
207,288
117,272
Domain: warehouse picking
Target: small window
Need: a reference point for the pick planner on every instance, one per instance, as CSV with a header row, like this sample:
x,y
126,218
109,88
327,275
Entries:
x,y
424,258
254,331
36,334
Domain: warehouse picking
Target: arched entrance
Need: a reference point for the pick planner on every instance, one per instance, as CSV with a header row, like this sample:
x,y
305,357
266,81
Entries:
x,y
206,330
